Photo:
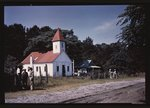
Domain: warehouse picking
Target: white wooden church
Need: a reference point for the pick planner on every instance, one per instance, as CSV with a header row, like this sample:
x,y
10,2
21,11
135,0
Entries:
x,y
55,63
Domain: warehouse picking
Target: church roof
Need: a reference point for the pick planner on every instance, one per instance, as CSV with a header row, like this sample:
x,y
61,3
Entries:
x,y
41,57
58,36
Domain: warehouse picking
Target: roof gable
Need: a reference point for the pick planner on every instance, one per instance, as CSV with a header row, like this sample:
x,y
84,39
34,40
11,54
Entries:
x,y
63,56
58,36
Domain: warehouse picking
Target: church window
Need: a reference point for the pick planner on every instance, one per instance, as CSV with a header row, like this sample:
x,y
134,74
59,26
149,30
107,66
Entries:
x,y
37,69
57,68
68,68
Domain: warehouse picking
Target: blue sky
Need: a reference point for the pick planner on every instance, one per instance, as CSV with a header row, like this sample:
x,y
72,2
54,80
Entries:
x,y
97,21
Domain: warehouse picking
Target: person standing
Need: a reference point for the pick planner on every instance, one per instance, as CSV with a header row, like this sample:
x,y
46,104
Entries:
x,y
110,73
31,77
24,79
18,79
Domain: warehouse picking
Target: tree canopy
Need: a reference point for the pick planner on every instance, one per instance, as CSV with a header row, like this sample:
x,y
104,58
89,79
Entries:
x,y
133,21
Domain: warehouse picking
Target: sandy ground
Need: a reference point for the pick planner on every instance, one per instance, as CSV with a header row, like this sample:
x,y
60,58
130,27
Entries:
x,y
111,92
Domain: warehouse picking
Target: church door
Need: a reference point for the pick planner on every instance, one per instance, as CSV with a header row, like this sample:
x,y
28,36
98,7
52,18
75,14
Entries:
x,y
63,70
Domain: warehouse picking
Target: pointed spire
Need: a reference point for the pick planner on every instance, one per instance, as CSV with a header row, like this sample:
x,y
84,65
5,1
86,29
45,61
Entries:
x,y
58,36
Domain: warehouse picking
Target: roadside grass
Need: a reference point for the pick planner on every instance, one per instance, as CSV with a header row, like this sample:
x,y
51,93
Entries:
x,y
64,83
53,82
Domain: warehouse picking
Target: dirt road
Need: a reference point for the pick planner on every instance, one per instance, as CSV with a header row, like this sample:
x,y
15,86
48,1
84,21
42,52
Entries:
x,y
111,92
128,94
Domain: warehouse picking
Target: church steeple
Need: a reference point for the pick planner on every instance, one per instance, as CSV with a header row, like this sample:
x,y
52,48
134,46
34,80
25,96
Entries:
x,y
58,36
58,42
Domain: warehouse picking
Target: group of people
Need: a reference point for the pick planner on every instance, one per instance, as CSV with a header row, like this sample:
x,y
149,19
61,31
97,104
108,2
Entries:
x,y
113,73
22,78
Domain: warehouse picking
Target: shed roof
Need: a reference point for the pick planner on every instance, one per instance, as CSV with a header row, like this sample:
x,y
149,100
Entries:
x,y
85,64
98,67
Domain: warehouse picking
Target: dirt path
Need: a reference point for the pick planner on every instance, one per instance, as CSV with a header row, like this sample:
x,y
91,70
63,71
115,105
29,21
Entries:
x,y
112,92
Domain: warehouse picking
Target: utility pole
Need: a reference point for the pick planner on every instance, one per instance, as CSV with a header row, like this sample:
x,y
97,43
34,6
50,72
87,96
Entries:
x,y
73,67
32,66
31,61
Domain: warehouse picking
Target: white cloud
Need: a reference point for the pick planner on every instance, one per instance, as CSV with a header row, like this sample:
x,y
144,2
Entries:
x,y
105,26
105,32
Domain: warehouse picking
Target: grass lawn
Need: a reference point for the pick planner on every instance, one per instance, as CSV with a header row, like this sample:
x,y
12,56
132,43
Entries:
x,y
64,83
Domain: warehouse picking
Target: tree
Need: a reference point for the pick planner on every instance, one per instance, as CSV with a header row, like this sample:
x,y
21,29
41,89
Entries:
x,y
88,49
45,29
38,39
14,40
41,43
88,41
133,20
10,63
14,45
134,32
33,31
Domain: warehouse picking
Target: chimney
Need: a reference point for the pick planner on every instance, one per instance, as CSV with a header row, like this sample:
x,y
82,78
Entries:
x,y
31,61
